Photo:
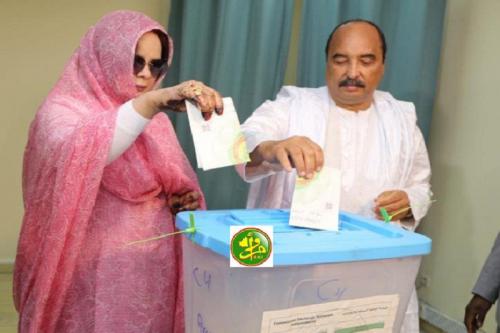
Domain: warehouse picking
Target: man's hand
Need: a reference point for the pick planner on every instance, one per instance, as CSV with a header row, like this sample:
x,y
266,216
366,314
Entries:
x,y
475,312
393,201
295,152
182,202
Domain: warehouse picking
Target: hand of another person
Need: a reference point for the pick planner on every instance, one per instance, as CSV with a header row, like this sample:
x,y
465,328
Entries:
x,y
475,312
296,152
182,202
152,102
393,201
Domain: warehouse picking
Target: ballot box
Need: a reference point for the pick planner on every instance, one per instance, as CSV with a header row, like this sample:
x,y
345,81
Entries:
x,y
358,279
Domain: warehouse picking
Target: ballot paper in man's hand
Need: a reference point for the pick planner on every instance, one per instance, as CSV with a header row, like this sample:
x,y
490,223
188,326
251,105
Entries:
x,y
218,142
315,202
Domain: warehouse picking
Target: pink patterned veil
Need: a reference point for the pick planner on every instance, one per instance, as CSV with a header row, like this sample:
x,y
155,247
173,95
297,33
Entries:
x,y
65,177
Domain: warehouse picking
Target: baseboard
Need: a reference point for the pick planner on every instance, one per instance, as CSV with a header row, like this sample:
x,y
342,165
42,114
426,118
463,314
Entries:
x,y
440,320
6,266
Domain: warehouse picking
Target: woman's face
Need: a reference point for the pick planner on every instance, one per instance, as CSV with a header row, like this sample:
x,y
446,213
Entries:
x,y
148,64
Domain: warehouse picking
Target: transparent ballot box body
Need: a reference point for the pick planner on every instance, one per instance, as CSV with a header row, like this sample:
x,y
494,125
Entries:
x,y
364,258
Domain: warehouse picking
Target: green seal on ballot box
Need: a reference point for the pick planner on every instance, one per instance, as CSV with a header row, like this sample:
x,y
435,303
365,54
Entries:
x,y
251,246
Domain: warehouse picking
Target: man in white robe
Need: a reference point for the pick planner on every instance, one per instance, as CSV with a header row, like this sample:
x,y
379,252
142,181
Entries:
x,y
381,151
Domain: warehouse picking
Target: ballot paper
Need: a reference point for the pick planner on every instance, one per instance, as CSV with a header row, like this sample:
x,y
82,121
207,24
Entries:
x,y
315,202
218,142
370,314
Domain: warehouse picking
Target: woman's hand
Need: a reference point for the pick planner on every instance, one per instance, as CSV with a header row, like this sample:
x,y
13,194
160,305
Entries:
x,y
152,102
208,99
182,202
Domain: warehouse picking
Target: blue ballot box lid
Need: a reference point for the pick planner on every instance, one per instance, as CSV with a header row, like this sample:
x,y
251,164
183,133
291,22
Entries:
x,y
358,238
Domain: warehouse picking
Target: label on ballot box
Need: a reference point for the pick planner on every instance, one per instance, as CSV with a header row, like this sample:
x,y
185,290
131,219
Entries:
x,y
369,314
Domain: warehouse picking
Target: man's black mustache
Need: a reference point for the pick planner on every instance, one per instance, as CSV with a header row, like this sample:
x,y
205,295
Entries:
x,y
351,82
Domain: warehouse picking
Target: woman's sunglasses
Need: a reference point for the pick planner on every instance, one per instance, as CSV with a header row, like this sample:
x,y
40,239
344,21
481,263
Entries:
x,y
156,66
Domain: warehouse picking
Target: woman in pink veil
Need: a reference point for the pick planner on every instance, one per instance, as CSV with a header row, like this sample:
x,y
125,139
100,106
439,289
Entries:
x,y
103,168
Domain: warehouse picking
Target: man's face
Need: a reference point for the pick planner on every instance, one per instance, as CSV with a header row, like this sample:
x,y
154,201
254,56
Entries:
x,y
355,65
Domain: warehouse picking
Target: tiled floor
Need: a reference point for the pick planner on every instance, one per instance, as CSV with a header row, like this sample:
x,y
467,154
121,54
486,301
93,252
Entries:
x,y
8,315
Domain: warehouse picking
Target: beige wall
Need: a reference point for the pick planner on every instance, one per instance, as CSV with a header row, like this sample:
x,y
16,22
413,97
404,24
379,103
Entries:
x,y
465,156
37,38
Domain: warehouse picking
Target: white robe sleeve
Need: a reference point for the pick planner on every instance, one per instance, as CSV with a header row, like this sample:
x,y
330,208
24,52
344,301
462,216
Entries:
x,y
129,125
269,122
418,188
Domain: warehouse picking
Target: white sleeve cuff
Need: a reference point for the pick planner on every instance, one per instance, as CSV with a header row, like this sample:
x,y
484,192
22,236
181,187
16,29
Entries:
x,y
130,120
253,174
129,125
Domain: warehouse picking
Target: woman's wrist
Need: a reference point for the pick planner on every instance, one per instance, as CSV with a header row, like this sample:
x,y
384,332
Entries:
x,y
147,104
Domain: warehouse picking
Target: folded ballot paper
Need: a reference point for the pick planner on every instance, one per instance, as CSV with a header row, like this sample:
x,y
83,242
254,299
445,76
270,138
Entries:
x,y
315,202
218,142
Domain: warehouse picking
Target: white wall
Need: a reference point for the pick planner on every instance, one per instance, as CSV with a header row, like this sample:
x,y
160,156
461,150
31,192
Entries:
x,y
465,156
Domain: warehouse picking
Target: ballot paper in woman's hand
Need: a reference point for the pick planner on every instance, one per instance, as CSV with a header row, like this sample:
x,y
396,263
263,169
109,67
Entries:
x,y
218,142
315,202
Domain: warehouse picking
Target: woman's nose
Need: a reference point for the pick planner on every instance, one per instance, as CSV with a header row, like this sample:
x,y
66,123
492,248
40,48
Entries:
x,y
145,72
